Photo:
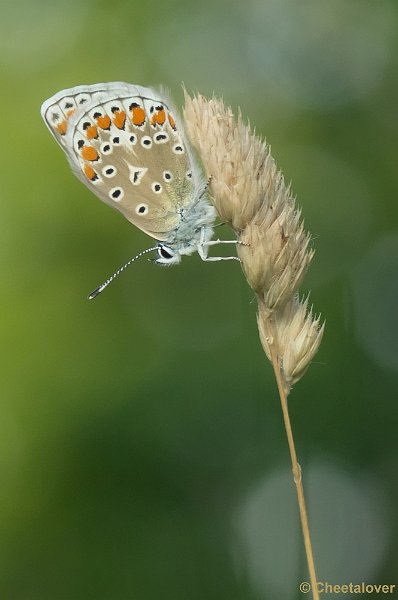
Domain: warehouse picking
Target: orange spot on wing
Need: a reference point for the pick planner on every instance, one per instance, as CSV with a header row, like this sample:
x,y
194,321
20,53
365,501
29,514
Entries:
x,y
91,132
104,122
119,119
138,116
172,122
89,153
90,173
159,117
62,127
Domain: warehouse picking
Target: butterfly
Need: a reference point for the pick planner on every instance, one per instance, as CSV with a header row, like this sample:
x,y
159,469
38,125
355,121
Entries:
x,y
124,142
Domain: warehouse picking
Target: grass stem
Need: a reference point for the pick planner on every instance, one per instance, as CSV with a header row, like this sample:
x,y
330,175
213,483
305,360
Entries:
x,y
296,468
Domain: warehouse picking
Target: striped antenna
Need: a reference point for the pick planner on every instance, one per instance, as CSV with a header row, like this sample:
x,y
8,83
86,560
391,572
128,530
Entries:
x,y
101,287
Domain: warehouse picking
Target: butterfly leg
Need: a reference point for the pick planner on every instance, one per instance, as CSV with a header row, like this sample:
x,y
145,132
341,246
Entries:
x,y
218,258
203,249
216,242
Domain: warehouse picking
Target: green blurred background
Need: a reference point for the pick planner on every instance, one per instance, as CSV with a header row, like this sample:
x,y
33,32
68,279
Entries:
x,y
143,454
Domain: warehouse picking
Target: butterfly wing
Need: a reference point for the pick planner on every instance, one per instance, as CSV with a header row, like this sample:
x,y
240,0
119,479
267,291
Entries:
x,y
122,141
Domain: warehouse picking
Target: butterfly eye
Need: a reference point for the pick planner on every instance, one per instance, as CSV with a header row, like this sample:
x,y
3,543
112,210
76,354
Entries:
x,y
165,252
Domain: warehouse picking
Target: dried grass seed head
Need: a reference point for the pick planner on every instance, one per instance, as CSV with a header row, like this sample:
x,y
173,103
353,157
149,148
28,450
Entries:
x,y
276,256
251,195
298,335
238,162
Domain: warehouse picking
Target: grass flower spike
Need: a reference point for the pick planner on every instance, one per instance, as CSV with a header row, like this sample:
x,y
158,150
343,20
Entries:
x,y
250,194
298,335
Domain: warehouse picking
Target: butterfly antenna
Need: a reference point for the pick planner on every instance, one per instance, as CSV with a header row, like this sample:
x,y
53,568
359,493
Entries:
x,y
101,287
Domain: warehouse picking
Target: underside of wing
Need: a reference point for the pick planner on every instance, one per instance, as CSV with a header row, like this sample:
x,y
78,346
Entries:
x,y
123,142
61,111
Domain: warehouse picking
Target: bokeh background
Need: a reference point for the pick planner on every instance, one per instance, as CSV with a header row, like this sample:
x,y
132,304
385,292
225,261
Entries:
x,y
143,454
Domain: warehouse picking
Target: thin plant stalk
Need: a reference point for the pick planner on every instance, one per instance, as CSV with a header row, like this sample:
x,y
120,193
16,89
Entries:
x,y
251,195
296,468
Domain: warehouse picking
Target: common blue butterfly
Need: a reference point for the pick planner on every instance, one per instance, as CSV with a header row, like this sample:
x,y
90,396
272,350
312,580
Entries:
x,y
123,142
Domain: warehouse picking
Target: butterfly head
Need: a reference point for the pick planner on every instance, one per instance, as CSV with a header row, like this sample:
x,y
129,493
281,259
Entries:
x,y
167,256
